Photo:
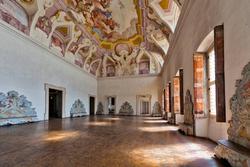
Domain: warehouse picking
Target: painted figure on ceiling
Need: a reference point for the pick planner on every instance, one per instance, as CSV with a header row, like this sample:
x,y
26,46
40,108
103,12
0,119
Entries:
x,y
97,16
124,60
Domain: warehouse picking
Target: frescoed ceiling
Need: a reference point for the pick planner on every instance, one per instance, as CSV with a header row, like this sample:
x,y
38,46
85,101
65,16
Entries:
x,y
103,37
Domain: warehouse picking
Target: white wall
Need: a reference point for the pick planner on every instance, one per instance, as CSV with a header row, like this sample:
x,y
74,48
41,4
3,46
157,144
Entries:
x,y
196,24
26,67
127,88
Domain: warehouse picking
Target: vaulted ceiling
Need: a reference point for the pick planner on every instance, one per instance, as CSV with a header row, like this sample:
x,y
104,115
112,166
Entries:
x,y
104,37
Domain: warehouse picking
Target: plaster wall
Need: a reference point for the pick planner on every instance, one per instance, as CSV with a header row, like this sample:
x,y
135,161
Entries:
x,y
127,88
194,25
26,66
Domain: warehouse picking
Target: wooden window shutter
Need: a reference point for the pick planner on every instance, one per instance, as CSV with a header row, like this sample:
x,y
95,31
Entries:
x,y
219,74
181,93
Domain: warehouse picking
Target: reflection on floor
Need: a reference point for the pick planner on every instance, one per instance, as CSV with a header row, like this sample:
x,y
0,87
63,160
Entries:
x,y
102,142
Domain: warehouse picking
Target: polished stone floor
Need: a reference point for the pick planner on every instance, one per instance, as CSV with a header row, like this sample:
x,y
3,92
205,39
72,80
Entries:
x,y
102,142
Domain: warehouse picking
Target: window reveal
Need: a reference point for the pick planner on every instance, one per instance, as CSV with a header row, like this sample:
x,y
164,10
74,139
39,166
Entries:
x,y
200,88
177,105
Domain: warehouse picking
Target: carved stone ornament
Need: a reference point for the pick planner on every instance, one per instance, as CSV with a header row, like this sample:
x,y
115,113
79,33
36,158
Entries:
x,y
188,126
126,109
15,109
157,110
239,130
100,109
78,109
188,112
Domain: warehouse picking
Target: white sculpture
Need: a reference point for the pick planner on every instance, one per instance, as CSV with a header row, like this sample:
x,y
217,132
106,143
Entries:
x,y
124,61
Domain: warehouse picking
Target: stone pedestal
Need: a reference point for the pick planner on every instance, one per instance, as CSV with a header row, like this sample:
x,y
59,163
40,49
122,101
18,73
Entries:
x,y
235,154
186,129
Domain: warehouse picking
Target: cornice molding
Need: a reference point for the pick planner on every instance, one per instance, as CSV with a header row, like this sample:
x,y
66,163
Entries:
x,y
129,77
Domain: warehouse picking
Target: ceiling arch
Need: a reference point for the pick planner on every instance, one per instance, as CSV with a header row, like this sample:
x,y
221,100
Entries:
x,y
87,31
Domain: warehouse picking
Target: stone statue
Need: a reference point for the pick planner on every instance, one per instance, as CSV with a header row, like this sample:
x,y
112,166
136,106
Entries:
x,y
188,112
188,127
124,61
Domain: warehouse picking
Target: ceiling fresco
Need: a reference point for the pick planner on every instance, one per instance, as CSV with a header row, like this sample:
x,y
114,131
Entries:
x,y
106,38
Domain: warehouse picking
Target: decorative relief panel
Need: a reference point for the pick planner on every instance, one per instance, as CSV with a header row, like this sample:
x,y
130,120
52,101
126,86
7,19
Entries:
x,y
78,109
157,110
237,149
126,109
15,109
100,109
239,130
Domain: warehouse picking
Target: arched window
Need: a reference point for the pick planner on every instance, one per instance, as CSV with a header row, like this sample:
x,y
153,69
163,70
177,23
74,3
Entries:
x,y
209,86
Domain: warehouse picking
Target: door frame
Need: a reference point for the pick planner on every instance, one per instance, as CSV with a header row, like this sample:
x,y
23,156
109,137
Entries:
x,y
90,95
50,86
138,102
107,103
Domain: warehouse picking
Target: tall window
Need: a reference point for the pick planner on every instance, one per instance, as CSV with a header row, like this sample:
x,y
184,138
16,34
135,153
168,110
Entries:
x,y
167,98
211,65
211,82
200,84
178,92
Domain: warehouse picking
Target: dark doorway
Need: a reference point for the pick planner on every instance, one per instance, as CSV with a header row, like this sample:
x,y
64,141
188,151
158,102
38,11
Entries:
x,y
92,105
55,103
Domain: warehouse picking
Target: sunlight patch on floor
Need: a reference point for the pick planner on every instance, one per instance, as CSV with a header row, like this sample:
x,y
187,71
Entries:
x,y
155,121
101,123
158,129
113,119
177,154
152,118
60,135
